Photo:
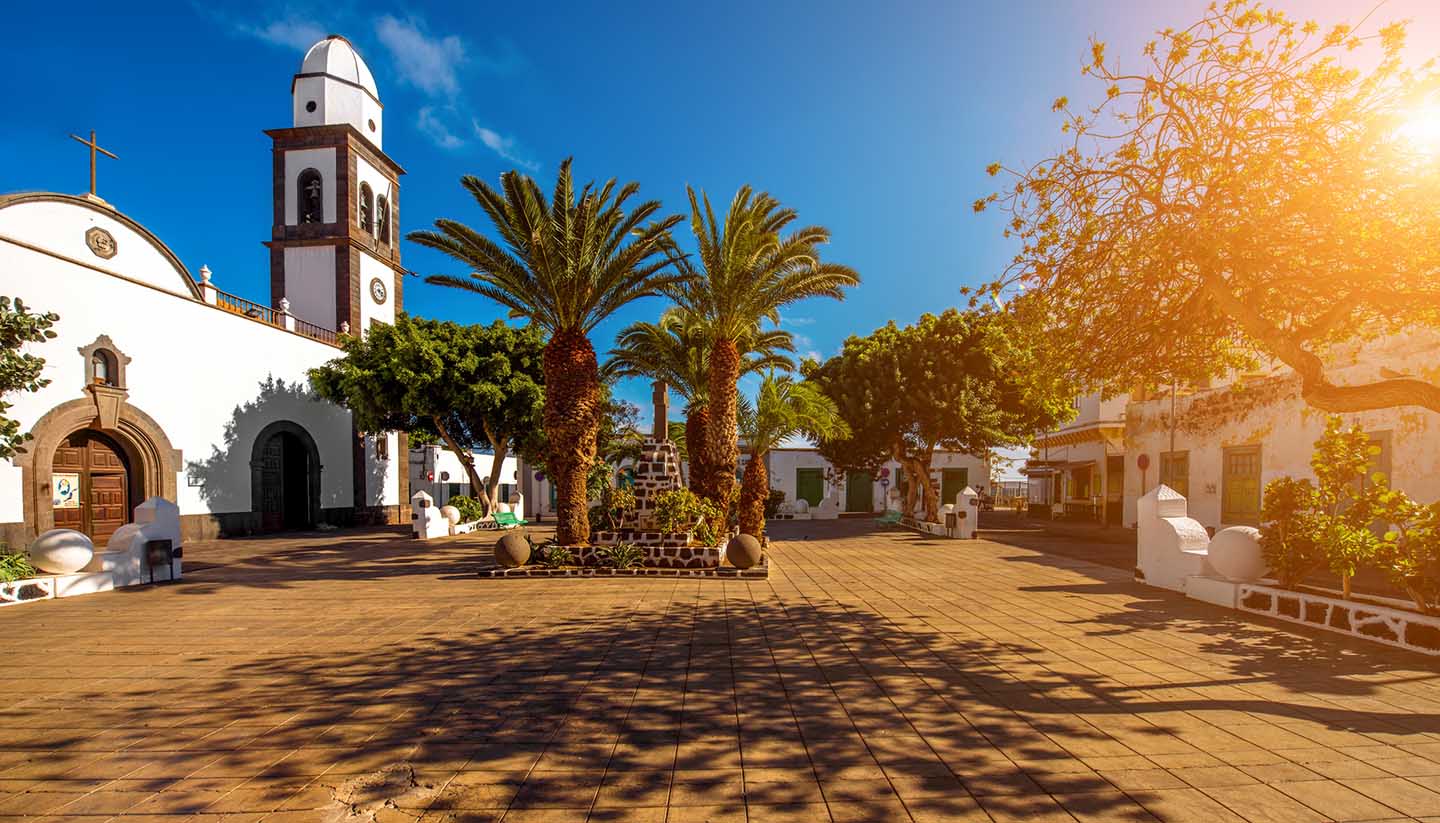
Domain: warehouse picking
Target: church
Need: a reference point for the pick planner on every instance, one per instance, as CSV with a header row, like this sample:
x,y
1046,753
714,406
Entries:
x,y
225,427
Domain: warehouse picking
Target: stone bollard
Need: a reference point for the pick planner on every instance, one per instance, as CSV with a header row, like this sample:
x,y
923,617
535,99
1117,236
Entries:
x,y
967,510
426,521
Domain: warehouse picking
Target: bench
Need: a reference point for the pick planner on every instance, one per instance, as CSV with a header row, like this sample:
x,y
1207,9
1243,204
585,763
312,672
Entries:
x,y
508,520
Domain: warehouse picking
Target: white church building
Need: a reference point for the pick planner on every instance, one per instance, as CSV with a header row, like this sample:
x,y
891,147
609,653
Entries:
x,y
227,430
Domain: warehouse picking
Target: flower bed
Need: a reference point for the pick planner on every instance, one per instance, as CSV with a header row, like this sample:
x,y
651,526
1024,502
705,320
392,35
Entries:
x,y
657,556
1364,619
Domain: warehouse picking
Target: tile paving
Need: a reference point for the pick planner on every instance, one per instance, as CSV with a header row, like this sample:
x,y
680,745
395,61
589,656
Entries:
x,y
877,675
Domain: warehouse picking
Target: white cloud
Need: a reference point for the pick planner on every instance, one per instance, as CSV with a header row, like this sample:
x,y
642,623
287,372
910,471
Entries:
x,y
503,146
290,29
434,128
788,320
425,62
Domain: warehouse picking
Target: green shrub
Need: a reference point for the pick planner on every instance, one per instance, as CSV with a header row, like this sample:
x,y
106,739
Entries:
x,y
681,510
553,556
1410,551
615,503
623,556
1307,525
15,566
470,508
772,503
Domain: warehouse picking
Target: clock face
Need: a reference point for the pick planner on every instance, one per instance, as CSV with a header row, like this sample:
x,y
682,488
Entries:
x,y
377,290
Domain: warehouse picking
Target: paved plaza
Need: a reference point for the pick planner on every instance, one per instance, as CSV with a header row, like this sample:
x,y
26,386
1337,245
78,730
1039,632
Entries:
x,y
877,675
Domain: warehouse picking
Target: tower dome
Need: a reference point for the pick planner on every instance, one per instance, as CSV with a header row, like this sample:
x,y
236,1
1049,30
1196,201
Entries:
x,y
335,87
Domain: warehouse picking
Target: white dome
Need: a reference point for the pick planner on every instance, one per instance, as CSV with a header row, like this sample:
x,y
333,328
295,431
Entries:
x,y
334,56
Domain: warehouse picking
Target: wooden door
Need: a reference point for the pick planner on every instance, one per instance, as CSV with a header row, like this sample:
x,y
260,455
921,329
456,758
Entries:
x,y
952,482
272,484
96,486
859,492
810,486
1240,495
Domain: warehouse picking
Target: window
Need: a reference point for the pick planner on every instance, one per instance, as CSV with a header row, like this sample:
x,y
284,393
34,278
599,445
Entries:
x,y
367,207
810,485
309,204
1240,486
1175,471
102,368
382,220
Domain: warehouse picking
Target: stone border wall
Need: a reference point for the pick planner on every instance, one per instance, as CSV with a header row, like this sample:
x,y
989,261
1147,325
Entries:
x,y
1356,618
641,538
658,557
759,572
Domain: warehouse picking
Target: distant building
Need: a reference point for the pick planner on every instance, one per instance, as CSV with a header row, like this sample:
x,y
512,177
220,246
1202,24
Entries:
x,y
438,472
802,473
1078,471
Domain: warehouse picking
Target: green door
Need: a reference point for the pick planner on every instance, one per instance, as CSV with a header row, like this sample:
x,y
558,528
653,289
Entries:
x,y
810,485
1240,491
859,492
952,482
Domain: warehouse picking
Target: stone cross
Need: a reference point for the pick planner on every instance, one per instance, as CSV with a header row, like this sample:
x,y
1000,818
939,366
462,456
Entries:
x,y
661,398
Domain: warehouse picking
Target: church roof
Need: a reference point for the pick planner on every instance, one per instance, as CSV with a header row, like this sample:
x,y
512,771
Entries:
x,y
336,57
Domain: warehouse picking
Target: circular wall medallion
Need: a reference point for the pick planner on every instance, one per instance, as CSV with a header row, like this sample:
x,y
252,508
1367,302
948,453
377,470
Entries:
x,y
101,242
377,290
310,106
372,125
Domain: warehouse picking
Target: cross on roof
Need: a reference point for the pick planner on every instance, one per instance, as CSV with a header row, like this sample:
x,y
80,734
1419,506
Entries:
x,y
94,147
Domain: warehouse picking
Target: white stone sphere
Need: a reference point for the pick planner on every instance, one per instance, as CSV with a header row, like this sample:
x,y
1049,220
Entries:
x,y
502,507
802,506
451,514
947,508
1235,554
61,551
123,540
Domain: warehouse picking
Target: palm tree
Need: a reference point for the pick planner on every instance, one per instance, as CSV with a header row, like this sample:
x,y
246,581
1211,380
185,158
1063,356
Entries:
x,y
676,351
748,269
565,265
784,408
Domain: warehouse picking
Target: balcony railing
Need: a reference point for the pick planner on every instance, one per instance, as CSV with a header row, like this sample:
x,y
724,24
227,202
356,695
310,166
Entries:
x,y
272,317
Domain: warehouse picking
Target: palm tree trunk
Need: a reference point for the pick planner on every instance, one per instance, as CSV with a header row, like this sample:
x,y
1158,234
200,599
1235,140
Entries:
x,y
754,488
572,419
697,431
722,453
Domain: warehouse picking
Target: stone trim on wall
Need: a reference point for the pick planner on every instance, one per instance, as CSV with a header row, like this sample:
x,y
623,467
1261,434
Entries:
x,y
154,463
1357,618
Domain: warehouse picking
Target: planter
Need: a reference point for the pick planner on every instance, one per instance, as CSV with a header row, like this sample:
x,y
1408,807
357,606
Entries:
x,y
1358,618
24,591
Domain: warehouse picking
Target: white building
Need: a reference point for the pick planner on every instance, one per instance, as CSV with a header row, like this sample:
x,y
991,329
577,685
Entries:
x,y
438,472
1231,440
801,473
1078,471
161,384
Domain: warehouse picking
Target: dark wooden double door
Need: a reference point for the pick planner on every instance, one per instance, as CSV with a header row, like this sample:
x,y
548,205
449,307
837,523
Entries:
x,y
285,484
91,475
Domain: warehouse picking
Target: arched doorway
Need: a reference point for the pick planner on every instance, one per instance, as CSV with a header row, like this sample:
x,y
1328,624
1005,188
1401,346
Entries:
x,y
285,478
93,490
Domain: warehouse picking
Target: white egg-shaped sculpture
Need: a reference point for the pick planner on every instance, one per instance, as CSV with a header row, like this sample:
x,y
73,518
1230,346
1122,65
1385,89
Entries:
x,y
802,506
1235,554
61,551
451,514
502,507
124,538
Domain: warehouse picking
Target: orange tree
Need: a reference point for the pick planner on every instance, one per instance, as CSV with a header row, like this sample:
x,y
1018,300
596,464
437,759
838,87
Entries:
x,y
1249,193
564,264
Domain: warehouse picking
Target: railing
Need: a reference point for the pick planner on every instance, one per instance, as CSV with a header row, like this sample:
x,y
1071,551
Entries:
x,y
251,309
320,333
273,317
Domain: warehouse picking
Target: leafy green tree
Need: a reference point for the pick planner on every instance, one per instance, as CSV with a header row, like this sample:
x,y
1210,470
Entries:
x,y
784,408
566,264
962,381
747,267
676,350
19,369
469,385
1256,188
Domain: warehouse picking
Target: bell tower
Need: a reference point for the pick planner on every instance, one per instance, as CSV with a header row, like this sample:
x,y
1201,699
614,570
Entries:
x,y
335,239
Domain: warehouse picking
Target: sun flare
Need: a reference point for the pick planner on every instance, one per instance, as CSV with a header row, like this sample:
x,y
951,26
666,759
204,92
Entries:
x,y
1421,129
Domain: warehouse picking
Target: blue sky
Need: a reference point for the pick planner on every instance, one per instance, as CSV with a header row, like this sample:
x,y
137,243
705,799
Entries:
x,y
874,119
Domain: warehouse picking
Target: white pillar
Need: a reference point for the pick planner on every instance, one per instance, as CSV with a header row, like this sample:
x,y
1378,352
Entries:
x,y
208,291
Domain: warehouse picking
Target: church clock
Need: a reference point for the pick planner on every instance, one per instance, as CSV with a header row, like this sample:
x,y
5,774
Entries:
x,y
377,290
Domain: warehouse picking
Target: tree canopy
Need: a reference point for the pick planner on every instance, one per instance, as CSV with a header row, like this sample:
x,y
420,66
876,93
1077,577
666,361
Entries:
x,y
1250,192
963,381
19,369
469,385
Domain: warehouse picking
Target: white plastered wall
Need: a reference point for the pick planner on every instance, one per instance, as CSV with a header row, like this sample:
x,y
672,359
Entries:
x,y
195,369
310,283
